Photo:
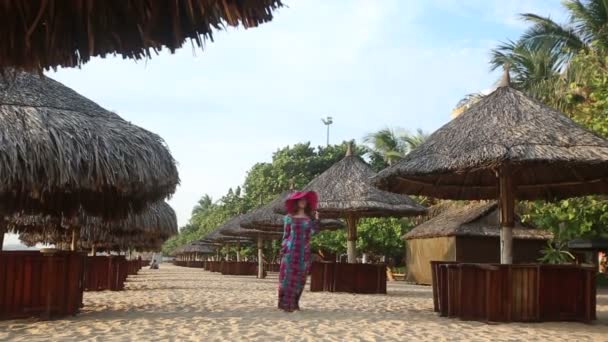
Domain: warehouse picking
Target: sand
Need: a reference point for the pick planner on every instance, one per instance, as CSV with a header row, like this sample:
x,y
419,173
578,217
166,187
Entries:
x,y
185,304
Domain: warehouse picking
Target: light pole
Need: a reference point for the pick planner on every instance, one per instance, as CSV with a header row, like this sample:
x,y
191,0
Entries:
x,y
327,122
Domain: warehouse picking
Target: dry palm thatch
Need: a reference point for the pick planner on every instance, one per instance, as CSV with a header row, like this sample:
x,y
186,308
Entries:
x,y
266,218
345,189
52,33
239,231
157,223
60,152
549,155
217,237
195,247
473,219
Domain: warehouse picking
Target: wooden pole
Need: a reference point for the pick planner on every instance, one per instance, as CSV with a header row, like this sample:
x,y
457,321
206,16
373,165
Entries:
x,y
238,251
260,258
351,238
75,237
2,232
93,250
507,214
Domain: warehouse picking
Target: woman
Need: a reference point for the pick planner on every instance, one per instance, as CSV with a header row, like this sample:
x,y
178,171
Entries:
x,y
295,248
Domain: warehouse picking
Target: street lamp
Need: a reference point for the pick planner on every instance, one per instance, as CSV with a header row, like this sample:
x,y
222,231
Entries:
x,y
327,122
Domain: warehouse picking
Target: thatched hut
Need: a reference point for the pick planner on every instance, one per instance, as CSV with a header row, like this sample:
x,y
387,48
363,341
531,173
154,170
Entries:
x,y
507,146
467,233
345,191
48,34
61,153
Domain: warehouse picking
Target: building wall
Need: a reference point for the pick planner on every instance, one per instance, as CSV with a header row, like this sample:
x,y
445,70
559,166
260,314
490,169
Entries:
x,y
420,252
487,249
476,249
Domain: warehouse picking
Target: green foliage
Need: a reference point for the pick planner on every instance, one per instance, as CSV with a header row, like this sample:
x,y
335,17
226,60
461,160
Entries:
x,y
330,241
556,253
383,236
568,219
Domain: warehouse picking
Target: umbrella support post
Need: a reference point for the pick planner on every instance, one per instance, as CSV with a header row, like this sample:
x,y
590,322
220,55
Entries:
x,y
260,258
238,252
351,239
1,237
75,237
507,215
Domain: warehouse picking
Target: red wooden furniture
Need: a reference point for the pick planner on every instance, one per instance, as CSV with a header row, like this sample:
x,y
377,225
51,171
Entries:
x,y
106,273
352,278
35,284
514,293
133,266
239,268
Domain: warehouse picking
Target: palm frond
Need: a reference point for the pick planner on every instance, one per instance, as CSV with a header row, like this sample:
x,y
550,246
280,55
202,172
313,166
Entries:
x,y
545,32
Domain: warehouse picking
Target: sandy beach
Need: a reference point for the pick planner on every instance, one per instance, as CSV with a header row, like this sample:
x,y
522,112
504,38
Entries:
x,y
186,304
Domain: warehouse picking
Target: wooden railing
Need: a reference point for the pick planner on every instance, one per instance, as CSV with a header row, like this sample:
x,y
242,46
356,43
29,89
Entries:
x,y
239,268
106,273
352,278
508,293
35,284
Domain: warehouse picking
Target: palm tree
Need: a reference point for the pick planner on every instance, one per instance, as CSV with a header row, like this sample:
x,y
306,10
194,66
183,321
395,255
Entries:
x,y
588,24
540,59
534,69
392,145
203,205
412,141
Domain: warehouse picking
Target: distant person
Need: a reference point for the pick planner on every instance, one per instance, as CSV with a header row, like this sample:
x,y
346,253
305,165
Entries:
x,y
154,265
299,224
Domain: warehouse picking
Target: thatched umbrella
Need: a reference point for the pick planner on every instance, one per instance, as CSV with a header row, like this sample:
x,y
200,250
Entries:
x,y
265,219
234,228
216,236
270,217
506,146
157,223
195,248
345,191
60,152
52,33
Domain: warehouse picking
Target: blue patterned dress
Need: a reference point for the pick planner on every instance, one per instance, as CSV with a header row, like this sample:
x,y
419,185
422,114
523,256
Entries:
x,y
295,260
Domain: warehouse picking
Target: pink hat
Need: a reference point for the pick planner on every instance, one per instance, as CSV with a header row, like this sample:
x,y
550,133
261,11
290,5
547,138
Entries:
x,y
310,196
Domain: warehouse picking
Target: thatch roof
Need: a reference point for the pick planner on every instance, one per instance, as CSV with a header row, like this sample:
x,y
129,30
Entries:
x,y
195,247
473,219
216,235
60,152
593,244
265,218
157,223
252,233
550,156
345,188
52,33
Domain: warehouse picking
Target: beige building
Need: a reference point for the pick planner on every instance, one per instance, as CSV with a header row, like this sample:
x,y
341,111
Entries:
x,y
467,233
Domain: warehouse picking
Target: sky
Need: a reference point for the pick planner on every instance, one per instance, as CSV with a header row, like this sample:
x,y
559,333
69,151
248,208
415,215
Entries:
x,y
369,64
